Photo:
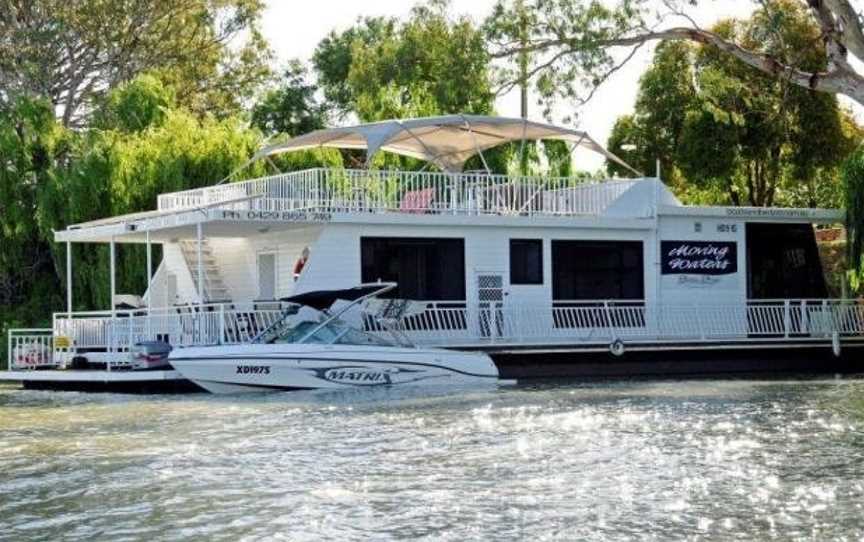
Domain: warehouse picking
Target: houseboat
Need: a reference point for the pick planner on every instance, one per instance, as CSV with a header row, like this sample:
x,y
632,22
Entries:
x,y
552,277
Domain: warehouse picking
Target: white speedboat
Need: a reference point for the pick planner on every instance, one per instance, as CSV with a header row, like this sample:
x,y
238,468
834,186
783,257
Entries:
x,y
310,347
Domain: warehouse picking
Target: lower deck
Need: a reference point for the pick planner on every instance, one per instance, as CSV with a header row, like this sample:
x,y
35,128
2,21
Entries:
x,y
168,381
726,360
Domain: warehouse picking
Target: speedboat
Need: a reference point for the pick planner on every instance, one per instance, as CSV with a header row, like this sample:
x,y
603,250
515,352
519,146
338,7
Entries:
x,y
312,347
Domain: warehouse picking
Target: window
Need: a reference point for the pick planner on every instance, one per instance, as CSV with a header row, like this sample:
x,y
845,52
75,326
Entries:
x,y
426,269
597,270
526,261
783,262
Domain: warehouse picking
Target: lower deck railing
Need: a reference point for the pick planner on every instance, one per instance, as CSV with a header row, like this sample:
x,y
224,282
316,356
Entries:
x,y
577,323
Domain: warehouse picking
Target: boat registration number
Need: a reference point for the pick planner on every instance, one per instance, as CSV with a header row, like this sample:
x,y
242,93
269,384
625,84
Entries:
x,y
253,369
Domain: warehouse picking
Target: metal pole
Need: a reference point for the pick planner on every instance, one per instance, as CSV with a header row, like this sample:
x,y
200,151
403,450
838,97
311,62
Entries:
x,y
149,273
149,285
113,265
69,278
200,234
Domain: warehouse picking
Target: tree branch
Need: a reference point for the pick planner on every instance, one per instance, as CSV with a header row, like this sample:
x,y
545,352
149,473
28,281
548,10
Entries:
x,y
840,80
851,34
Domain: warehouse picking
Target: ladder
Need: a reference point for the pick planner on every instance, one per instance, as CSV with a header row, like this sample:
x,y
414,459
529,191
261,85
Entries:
x,y
215,289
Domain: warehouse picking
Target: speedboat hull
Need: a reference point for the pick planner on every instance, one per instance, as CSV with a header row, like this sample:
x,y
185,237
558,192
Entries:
x,y
270,367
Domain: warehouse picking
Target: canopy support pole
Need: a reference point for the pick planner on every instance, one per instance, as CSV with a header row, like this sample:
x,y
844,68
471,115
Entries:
x,y
112,263
522,145
476,146
149,280
199,233
69,278
422,144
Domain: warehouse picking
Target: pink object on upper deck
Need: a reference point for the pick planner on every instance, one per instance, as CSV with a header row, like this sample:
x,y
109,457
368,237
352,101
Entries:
x,y
417,201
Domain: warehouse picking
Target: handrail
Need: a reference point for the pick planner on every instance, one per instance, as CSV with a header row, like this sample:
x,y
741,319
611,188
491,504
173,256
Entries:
x,y
595,321
352,190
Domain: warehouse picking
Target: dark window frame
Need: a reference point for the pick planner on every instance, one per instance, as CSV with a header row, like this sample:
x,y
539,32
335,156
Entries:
x,y
522,276
627,249
436,278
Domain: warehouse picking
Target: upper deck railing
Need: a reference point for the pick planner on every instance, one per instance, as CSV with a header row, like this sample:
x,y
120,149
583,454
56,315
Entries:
x,y
347,190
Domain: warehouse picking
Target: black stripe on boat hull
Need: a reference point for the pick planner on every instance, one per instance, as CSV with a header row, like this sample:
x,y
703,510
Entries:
x,y
258,386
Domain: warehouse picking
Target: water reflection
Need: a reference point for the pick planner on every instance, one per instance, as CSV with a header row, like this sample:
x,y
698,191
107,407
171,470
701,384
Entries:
x,y
699,459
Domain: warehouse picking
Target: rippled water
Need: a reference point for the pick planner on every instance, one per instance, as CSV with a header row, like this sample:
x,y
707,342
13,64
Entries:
x,y
661,460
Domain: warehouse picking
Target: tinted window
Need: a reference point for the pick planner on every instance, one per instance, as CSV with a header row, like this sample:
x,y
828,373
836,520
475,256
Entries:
x,y
783,262
426,269
526,261
597,270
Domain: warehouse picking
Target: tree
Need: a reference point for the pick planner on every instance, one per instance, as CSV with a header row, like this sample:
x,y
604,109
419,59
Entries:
x,y
727,128
73,53
31,144
292,108
334,56
573,42
428,65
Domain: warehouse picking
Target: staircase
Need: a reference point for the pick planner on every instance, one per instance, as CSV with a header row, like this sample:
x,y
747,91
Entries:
x,y
215,290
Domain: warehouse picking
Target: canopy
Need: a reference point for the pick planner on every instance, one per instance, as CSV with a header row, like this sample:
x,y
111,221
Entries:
x,y
447,141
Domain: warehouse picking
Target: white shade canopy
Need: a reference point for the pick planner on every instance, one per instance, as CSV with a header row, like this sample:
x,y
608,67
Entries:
x,y
446,141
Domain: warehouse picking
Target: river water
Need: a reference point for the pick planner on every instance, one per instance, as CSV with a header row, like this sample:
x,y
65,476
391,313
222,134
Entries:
x,y
603,461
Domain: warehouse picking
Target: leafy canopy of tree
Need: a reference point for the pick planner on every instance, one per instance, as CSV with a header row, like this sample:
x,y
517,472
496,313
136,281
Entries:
x,y
574,44
725,131
73,53
140,145
292,108
428,65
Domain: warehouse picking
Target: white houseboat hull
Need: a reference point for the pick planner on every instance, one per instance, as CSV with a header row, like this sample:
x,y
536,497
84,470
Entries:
x,y
272,367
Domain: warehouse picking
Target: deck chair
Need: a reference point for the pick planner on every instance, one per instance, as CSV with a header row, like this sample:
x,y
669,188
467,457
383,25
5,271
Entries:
x,y
417,201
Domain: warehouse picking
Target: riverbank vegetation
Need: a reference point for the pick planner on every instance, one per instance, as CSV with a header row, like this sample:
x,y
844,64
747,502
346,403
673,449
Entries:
x,y
104,105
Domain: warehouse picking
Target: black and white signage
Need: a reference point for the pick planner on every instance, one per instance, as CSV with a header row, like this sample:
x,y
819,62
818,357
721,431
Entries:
x,y
699,257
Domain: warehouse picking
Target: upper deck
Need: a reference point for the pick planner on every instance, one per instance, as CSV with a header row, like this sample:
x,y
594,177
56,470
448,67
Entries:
x,y
374,191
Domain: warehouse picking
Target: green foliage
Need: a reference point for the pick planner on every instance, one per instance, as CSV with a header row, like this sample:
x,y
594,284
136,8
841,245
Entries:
x,y
853,185
135,105
334,56
140,146
292,108
727,133
428,65
573,61
71,53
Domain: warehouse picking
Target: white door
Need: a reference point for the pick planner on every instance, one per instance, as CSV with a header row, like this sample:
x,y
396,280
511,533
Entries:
x,y
266,275
490,297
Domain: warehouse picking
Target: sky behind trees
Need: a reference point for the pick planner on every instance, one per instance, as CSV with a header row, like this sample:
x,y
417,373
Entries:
x,y
295,28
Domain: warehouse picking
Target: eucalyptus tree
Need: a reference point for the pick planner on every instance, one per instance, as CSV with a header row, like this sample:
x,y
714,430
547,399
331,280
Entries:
x,y
574,44
73,52
746,138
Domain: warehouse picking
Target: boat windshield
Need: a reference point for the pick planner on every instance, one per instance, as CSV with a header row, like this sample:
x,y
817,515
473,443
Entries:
x,y
335,332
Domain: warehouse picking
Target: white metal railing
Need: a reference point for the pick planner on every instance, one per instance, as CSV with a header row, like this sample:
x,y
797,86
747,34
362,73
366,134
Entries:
x,y
30,349
576,323
348,190
182,326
